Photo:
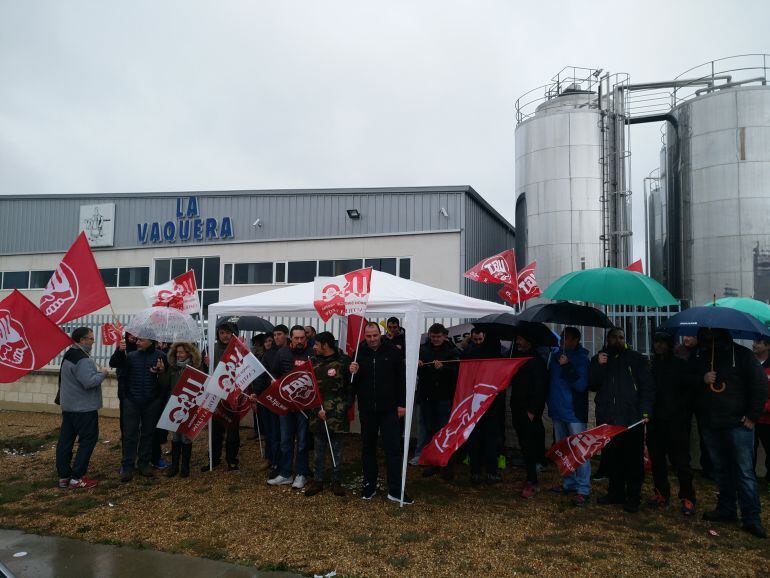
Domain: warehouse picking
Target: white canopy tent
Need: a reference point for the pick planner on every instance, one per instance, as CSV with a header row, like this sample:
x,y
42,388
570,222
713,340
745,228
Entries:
x,y
390,296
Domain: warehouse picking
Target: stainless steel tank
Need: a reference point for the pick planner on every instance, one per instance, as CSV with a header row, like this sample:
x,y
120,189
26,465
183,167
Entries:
x,y
724,171
559,185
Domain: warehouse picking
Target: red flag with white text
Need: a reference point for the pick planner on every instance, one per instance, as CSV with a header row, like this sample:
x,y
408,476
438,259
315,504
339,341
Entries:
x,y
478,383
76,287
500,268
179,293
295,391
28,339
189,408
355,333
525,288
343,295
636,266
573,451
236,369
112,333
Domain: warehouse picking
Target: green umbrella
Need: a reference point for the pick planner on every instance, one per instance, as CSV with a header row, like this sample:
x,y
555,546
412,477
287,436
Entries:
x,y
610,286
753,307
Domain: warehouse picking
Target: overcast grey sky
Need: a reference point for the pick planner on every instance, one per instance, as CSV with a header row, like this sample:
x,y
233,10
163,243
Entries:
x,y
99,97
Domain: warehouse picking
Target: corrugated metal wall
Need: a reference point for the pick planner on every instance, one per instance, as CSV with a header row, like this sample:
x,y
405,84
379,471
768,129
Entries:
x,y
49,224
484,235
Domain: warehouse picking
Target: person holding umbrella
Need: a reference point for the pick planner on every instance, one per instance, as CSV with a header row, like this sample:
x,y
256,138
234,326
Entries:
x,y
625,393
730,400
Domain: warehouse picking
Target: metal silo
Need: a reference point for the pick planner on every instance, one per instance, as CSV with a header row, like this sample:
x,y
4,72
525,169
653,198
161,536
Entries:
x,y
572,204
719,159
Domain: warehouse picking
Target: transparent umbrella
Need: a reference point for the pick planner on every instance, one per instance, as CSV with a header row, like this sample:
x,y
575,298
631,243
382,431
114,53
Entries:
x,y
164,324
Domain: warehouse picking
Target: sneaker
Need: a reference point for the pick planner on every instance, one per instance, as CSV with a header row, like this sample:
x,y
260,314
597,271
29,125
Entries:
x,y
126,475
64,483
658,500
161,465
299,482
274,471
314,488
580,501
84,483
529,490
755,529
717,516
688,507
501,462
337,489
407,500
414,461
280,480
369,492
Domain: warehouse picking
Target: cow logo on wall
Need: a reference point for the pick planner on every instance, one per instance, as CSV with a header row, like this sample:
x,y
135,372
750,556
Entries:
x,y
98,223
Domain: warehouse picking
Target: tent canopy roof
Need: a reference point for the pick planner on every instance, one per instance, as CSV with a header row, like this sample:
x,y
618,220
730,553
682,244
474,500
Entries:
x,y
389,294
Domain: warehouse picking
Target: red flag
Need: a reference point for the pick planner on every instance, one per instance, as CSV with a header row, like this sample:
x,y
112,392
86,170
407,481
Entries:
x,y
575,450
180,293
636,266
500,268
355,333
478,384
112,333
28,339
525,288
236,369
189,408
295,391
342,295
76,287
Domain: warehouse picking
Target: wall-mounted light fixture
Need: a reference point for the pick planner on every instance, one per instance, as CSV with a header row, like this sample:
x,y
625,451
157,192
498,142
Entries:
x,y
257,223
443,212
354,214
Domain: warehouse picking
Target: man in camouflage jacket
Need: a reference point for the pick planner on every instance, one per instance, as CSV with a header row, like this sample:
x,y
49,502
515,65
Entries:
x,y
332,370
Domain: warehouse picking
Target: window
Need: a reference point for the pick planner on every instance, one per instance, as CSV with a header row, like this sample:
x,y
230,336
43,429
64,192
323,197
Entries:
x,y
387,265
338,267
16,280
280,272
405,268
39,279
133,277
210,273
301,271
228,280
110,277
206,271
178,267
162,271
251,273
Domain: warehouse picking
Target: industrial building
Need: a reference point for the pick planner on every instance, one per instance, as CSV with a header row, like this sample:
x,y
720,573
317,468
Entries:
x,y
243,242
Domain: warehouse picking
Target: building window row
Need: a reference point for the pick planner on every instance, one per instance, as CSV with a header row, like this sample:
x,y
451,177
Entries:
x,y
112,277
269,272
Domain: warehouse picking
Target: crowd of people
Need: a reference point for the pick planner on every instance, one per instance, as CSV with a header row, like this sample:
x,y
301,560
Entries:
x,y
720,383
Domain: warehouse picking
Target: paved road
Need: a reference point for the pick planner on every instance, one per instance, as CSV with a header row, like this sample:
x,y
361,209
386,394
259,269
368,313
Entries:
x,y
54,557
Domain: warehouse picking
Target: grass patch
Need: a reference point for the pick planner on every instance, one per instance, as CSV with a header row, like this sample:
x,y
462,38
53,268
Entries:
x,y
78,505
16,491
412,537
83,529
361,539
30,443
399,561
657,564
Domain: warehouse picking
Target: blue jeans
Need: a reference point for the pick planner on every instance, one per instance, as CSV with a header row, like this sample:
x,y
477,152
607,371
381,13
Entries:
x,y
294,428
732,455
580,481
271,433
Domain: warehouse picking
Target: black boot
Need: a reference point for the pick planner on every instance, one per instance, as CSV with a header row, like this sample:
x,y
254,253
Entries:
x,y
186,453
176,450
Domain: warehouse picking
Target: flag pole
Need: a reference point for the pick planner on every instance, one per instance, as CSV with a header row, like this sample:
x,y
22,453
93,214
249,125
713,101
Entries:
x,y
328,437
358,344
259,433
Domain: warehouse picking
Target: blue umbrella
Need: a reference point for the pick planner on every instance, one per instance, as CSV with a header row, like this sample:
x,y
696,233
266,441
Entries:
x,y
740,325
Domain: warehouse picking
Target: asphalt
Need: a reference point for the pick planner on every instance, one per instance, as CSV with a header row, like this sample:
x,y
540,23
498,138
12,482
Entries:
x,y
49,556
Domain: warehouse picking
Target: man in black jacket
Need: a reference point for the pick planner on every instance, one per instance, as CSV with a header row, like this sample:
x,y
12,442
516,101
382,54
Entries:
x,y
730,399
436,382
625,395
668,433
529,388
142,405
379,383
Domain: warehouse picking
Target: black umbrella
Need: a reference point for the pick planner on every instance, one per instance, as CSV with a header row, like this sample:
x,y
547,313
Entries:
x,y
740,325
506,326
566,313
248,323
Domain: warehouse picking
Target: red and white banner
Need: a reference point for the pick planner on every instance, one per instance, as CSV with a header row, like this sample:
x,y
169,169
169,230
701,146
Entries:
x,y
28,339
237,368
189,408
355,333
112,333
179,293
525,288
343,295
573,451
478,383
636,266
295,391
76,287
500,268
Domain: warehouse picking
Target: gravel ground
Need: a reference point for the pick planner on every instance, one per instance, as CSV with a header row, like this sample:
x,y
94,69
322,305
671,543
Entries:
x,y
453,529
